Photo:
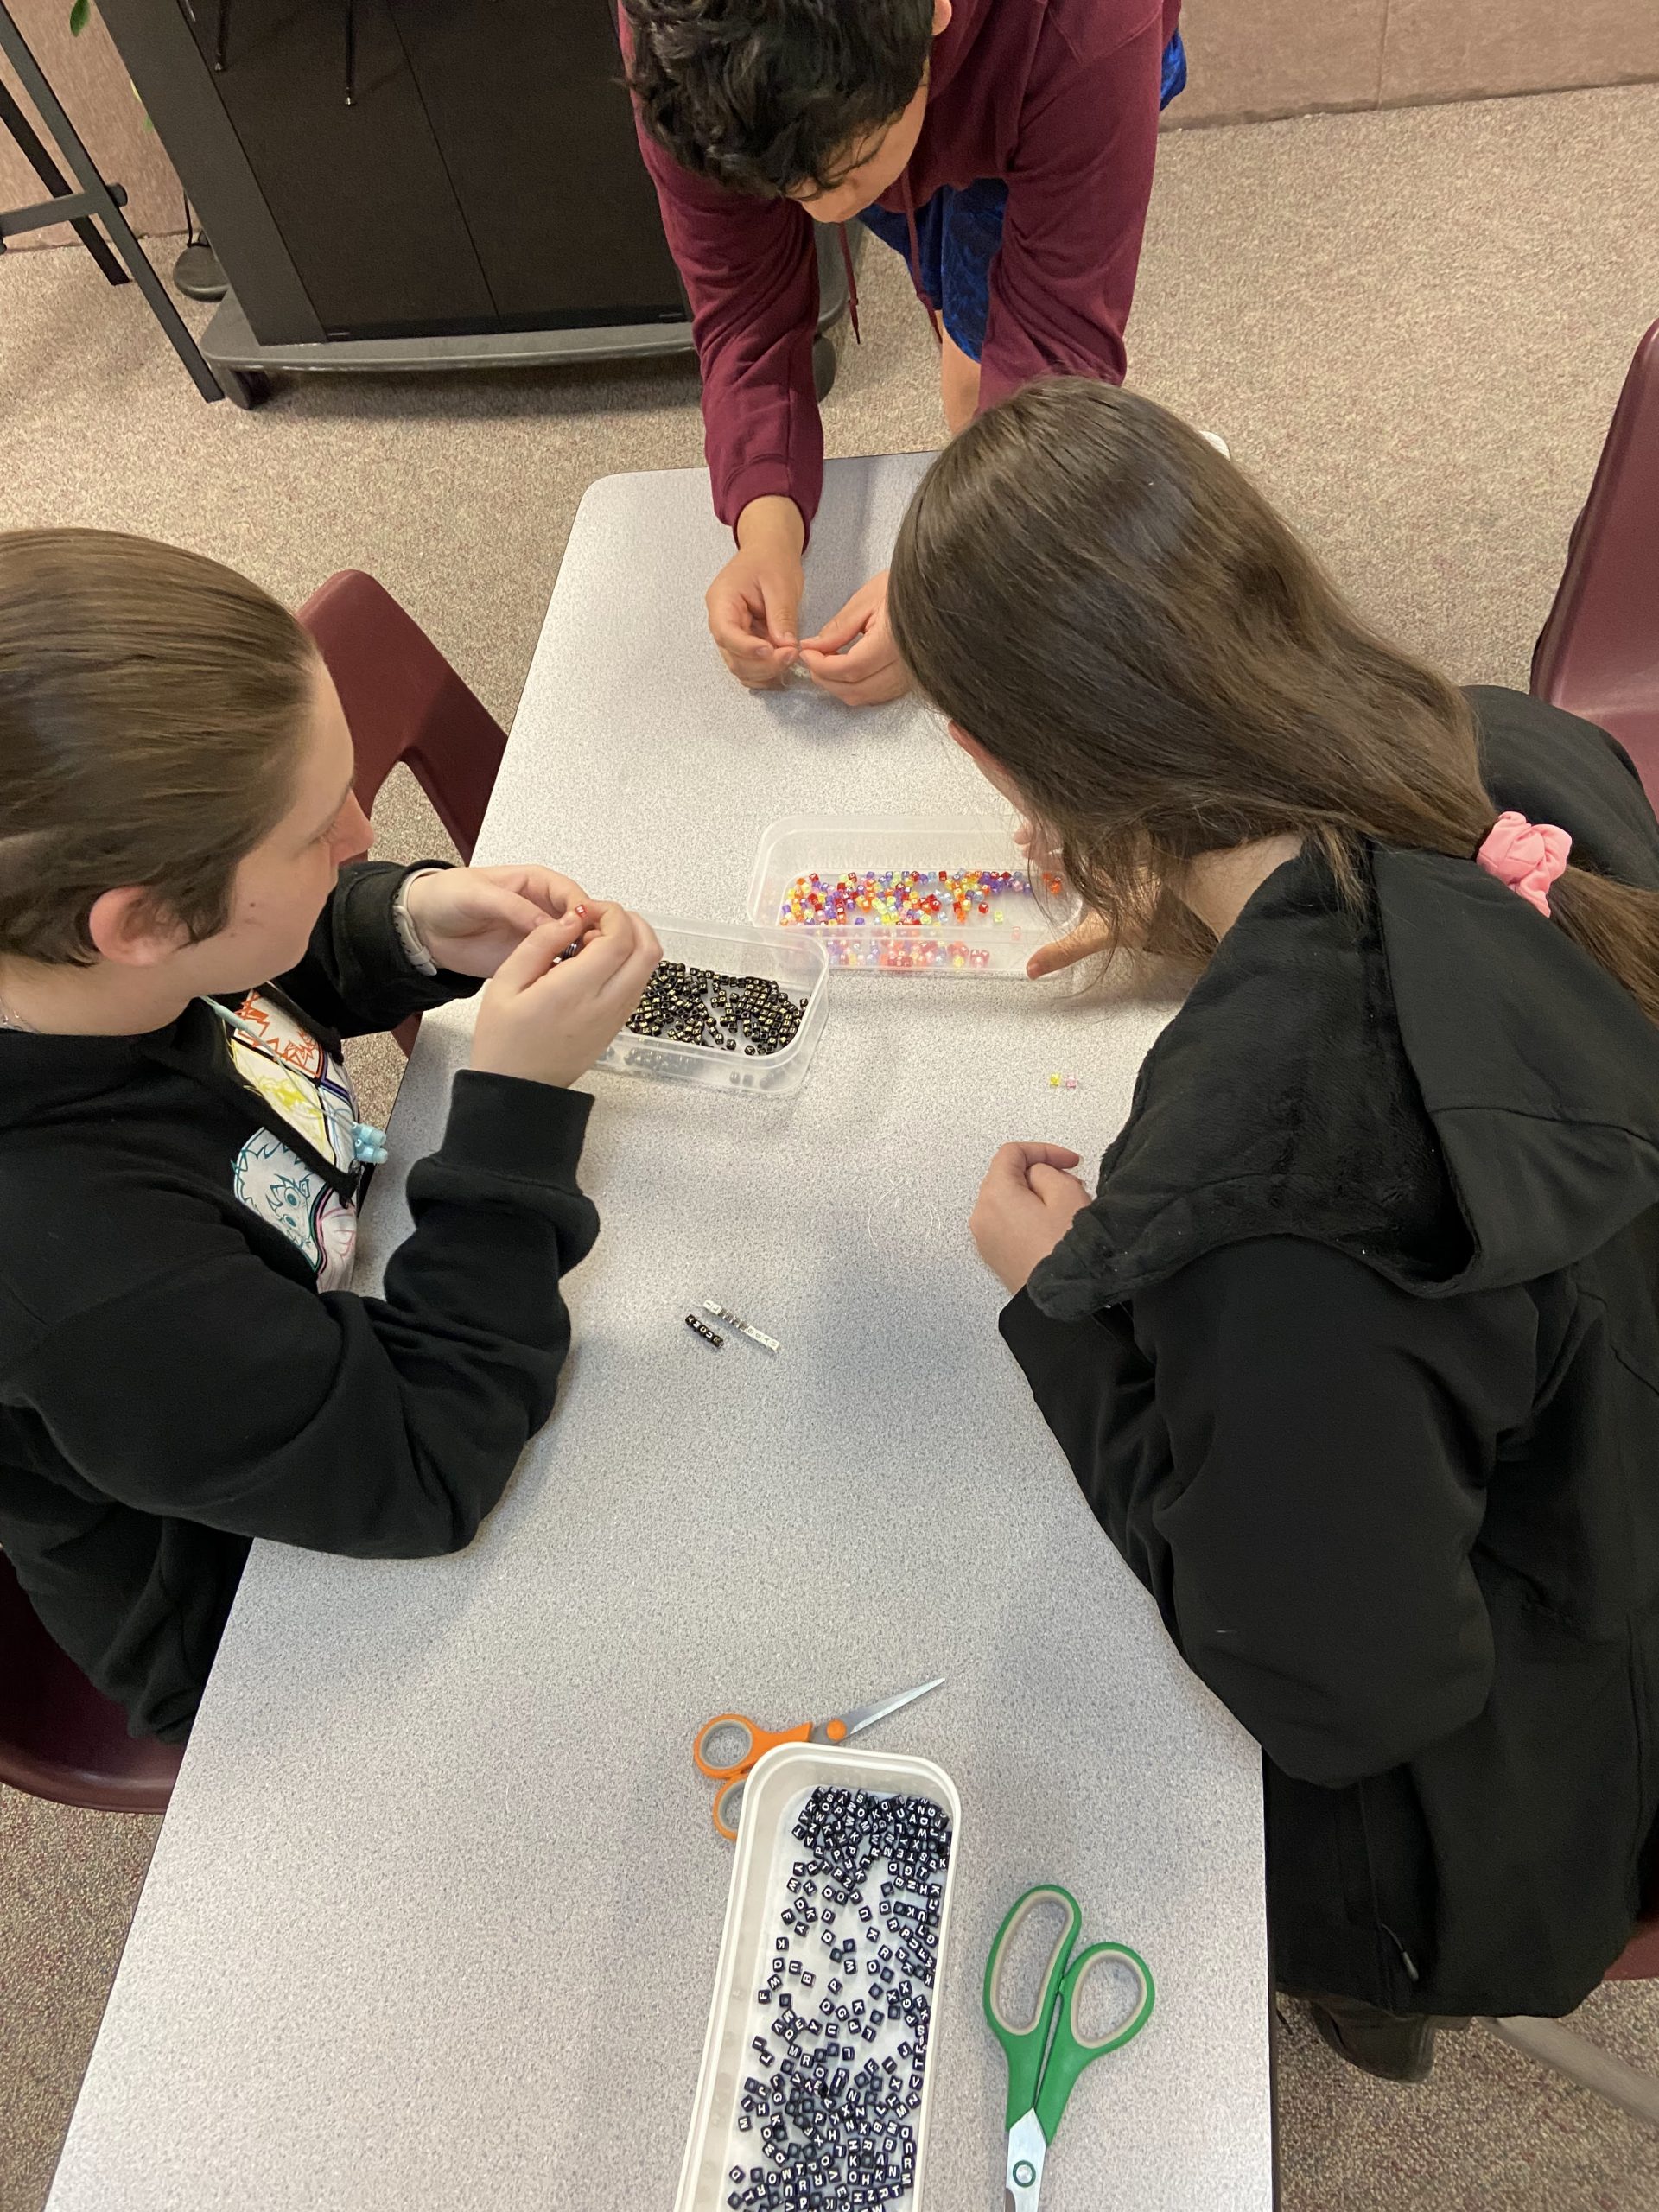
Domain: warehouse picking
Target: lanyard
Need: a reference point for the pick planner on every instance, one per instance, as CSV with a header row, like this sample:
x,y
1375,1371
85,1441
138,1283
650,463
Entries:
x,y
368,1143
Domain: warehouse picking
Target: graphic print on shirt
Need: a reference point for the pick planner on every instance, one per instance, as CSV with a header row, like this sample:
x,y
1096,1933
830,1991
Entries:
x,y
309,1091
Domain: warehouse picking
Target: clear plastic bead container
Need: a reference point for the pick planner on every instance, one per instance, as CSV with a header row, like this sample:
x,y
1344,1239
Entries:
x,y
997,943
780,1785
789,959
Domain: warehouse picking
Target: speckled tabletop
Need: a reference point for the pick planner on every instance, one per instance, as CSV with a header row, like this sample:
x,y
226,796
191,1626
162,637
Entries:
x,y
434,1917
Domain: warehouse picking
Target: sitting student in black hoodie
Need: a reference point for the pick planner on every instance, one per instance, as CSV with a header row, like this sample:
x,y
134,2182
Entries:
x,y
1354,1351
182,1367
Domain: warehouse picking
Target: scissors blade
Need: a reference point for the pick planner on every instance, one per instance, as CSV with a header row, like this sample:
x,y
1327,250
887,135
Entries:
x,y
1025,2175
867,1715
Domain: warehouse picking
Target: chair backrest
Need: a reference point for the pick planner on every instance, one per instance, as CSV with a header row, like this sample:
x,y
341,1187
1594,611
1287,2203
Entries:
x,y
1639,1960
60,1738
1597,654
403,702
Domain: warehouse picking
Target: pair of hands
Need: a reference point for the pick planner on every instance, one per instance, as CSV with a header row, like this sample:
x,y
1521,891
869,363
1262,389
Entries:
x,y
545,1019
542,1018
754,617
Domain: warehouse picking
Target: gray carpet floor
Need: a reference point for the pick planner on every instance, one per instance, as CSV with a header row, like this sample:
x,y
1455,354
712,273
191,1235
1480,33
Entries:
x,y
1411,326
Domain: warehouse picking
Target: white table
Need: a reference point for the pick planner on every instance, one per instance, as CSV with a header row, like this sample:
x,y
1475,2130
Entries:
x,y
433,1919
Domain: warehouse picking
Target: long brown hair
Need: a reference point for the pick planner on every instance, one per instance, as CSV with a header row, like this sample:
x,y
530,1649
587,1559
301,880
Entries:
x,y
1122,620
151,705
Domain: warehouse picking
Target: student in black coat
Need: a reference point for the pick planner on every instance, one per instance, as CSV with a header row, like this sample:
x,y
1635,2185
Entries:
x,y
1354,1350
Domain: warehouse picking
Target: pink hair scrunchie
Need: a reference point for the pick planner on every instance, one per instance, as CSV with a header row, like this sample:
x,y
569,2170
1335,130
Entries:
x,y
1528,856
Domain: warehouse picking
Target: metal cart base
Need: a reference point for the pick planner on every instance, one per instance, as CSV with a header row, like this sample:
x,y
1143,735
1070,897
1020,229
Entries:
x,y
231,348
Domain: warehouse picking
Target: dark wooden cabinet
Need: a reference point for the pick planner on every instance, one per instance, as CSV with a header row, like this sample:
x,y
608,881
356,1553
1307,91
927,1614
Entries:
x,y
536,133
485,176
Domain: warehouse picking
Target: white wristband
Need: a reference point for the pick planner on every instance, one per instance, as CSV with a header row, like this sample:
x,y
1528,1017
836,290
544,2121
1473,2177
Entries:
x,y
408,936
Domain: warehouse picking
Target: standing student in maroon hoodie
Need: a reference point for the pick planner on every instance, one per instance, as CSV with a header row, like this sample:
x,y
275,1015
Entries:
x,y
1005,147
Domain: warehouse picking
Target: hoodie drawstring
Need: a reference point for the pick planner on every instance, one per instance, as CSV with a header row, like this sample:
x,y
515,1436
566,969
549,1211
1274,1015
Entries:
x,y
915,260
916,265
852,281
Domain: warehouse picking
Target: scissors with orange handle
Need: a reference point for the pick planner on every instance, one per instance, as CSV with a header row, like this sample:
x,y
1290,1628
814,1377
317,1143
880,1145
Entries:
x,y
727,1747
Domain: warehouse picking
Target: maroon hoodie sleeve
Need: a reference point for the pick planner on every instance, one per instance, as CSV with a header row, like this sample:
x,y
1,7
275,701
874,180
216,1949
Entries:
x,y
750,270
1077,192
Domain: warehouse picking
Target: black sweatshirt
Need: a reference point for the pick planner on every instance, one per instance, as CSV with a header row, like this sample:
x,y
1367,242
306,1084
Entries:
x,y
174,1381
1356,1358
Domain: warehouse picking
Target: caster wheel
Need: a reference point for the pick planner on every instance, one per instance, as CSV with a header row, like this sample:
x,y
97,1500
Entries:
x,y
823,367
245,387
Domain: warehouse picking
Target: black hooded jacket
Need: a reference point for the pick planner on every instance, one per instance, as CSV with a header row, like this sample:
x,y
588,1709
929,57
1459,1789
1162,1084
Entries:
x,y
173,1380
1356,1357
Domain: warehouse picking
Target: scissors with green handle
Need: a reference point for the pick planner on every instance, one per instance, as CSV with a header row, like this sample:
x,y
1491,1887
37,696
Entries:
x,y
1047,2053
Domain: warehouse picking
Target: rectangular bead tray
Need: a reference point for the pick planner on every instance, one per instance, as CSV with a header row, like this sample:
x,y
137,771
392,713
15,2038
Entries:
x,y
730,948
998,942
762,1858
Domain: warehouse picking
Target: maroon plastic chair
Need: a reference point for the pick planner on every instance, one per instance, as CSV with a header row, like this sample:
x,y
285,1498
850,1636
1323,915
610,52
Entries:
x,y
403,702
1552,2043
59,1737
1598,655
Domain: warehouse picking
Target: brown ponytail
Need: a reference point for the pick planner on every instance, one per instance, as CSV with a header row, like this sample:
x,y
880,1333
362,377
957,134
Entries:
x,y
1617,926
1118,616
151,705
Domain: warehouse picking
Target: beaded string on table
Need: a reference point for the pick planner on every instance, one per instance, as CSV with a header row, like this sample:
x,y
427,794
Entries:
x,y
368,1143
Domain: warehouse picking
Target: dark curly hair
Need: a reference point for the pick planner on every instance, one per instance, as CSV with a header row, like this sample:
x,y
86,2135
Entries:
x,y
767,96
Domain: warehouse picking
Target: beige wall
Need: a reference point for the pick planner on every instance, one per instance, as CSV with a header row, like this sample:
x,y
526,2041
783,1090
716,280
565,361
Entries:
x,y
85,73
1250,59
1257,57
